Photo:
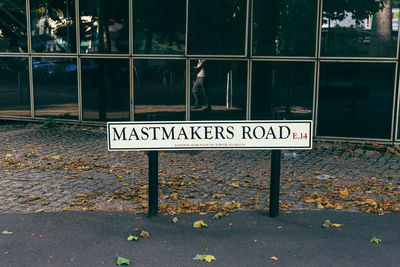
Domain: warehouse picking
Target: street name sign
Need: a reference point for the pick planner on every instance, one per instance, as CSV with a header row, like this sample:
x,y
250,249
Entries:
x,y
209,135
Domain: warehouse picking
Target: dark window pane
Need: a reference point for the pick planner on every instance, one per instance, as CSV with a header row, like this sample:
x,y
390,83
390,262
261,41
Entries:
x,y
104,26
218,90
284,28
55,87
217,27
105,89
365,28
159,26
282,87
53,26
13,26
356,100
160,89
14,87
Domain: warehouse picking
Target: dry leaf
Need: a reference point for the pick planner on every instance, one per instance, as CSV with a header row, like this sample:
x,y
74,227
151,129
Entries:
x,y
144,234
273,258
199,224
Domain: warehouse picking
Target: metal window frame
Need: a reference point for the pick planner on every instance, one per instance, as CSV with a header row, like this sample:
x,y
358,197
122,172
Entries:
x,y
246,56
335,138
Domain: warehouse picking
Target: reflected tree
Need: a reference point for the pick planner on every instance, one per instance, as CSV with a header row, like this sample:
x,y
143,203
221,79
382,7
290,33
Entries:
x,y
13,26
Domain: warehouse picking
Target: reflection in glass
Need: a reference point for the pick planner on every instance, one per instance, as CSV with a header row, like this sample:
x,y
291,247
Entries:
x,y
53,26
12,26
356,100
55,87
282,87
159,26
14,87
159,89
104,26
217,27
218,90
284,27
105,89
360,28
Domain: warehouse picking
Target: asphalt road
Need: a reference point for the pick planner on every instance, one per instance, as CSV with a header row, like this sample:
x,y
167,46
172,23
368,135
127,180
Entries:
x,y
245,238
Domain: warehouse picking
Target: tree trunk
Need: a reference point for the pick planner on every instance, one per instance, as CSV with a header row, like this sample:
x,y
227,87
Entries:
x,y
381,44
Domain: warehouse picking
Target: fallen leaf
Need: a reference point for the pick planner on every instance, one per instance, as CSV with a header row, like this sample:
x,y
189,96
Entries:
x,y
121,261
175,220
6,232
337,225
207,258
131,237
375,240
235,185
326,224
199,224
218,196
320,206
145,234
273,258
9,155
370,201
56,157
344,192
217,216
39,210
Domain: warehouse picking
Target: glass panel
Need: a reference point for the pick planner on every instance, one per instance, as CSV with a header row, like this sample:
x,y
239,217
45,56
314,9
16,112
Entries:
x,y
104,26
219,90
14,87
282,87
159,26
13,26
55,87
284,27
217,27
53,26
365,28
105,89
160,89
356,100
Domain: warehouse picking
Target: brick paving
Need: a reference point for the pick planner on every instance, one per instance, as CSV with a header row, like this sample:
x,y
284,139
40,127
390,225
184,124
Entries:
x,y
69,168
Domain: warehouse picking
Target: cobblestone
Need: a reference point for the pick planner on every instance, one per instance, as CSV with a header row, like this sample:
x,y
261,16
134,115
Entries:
x,y
63,162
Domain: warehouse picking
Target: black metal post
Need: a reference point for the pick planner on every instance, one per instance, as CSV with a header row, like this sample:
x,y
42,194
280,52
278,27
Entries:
x,y
275,177
275,182
153,178
153,183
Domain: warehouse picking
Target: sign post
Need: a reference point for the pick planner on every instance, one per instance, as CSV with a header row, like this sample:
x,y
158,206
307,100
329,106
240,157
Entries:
x,y
153,136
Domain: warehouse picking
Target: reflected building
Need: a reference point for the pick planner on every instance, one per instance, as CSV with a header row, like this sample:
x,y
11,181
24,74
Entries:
x,y
331,61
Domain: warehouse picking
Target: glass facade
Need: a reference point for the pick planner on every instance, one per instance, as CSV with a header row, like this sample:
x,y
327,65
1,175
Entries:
x,y
55,87
331,61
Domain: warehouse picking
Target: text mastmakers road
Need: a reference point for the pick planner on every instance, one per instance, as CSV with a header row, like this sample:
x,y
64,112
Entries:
x,y
203,135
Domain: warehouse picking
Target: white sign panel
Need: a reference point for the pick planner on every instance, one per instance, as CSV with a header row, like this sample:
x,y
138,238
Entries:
x,y
214,135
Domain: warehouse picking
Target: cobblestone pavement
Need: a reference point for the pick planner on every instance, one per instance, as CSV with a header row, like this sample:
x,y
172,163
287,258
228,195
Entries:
x,y
69,168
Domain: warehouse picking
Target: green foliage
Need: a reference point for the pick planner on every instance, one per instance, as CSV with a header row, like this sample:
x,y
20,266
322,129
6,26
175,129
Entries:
x,y
49,122
375,240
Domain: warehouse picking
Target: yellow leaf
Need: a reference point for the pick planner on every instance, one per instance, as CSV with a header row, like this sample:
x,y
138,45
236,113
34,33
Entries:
x,y
9,155
199,224
209,258
370,201
273,258
337,225
40,210
320,206
236,185
338,207
218,196
57,157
